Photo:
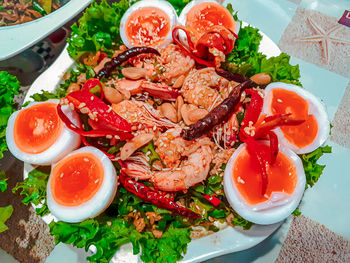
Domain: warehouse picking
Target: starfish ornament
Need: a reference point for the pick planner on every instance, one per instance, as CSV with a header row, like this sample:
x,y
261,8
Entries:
x,y
325,37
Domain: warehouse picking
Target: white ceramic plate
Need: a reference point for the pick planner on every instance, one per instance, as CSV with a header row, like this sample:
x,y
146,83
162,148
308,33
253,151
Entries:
x,y
17,38
223,242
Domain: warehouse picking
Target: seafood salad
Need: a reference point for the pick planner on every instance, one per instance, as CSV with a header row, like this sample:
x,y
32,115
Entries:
x,y
170,126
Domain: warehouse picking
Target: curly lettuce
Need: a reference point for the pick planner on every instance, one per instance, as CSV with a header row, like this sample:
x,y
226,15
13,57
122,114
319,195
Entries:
x,y
313,170
34,190
97,29
5,213
9,87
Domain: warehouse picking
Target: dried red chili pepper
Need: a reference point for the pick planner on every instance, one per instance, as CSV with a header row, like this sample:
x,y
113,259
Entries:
x,y
123,57
218,115
213,200
155,197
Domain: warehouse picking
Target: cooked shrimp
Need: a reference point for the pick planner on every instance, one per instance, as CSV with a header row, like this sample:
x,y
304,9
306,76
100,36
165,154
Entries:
x,y
170,147
191,171
202,88
135,143
137,166
172,64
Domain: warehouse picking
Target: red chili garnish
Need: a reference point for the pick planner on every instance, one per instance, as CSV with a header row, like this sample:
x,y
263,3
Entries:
x,y
254,151
271,122
260,129
93,133
155,197
213,200
273,147
96,107
255,107
92,83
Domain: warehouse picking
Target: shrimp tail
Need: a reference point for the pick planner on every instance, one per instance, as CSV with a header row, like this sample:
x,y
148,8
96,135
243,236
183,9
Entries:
x,y
219,114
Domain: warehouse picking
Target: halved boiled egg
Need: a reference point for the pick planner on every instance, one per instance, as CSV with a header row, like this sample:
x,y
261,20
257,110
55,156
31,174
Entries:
x,y
281,98
199,15
243,184
148,23
36,134
81,185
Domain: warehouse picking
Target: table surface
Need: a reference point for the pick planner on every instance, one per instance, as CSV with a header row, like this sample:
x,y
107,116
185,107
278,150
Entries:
x,y
328,202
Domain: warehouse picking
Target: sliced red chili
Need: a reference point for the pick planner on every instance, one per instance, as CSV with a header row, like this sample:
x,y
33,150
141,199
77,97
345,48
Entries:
x,y
254,151
213,200
271,122
255,107
273,147
155,197
90,84
95,107
93,133
191,47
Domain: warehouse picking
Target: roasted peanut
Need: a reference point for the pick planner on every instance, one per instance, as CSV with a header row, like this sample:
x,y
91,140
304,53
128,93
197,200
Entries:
x,y
112,95
178,104
261,78
185,110
178,83
73,87
168,111
134,73
197,114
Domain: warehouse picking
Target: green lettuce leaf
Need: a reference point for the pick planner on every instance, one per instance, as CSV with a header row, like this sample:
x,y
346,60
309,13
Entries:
x,y
3,183
97,29
313,170
34,190
5,213
111,233
9,87
179,4
246,60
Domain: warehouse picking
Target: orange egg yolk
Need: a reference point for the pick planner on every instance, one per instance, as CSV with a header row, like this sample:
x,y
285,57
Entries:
x,y
147,26
282,176
37,128
76,179
285,101
205,15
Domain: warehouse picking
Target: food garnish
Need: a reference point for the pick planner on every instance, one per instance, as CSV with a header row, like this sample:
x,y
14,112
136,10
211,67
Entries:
x,y
180,122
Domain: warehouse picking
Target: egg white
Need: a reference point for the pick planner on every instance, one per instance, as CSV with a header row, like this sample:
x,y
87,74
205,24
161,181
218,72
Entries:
x,y
278,207
98,203
66,142
165,6
189,6
316,108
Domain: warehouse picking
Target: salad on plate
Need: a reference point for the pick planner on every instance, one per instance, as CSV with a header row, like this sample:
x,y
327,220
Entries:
x,y
170,126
